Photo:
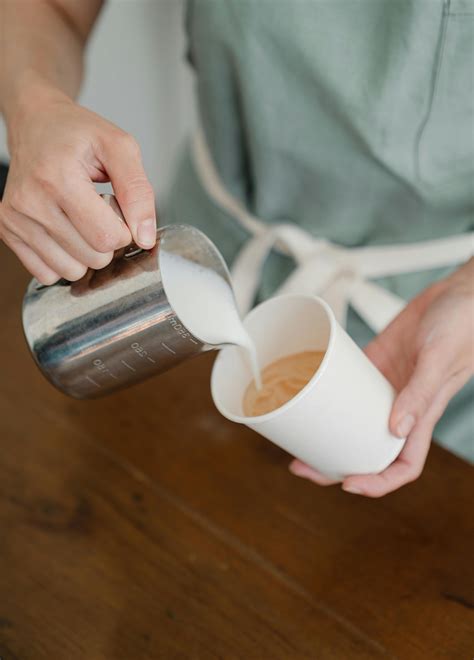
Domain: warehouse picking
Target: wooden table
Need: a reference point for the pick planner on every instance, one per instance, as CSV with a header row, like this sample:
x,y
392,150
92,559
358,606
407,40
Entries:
x,y
144,525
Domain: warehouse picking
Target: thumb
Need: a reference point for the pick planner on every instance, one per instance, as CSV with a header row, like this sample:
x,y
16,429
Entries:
x,y
414,401
132,188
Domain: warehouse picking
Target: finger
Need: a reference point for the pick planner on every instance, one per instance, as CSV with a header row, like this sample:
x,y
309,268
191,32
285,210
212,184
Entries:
x,y
30,260
409,464
95,220
300,469
132,188
67,236
405,469
52,254
59,227
413,402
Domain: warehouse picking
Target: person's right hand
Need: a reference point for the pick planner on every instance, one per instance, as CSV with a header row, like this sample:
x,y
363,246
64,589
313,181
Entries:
x,y
51,215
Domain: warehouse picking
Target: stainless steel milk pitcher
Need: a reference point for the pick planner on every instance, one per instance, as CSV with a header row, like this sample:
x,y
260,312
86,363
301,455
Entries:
x,y
115,326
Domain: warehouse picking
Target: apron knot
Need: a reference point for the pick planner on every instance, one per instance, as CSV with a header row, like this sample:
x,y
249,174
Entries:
x,y
338,274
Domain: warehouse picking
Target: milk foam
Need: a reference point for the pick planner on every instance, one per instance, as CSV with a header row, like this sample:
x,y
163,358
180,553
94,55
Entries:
x,y
205,304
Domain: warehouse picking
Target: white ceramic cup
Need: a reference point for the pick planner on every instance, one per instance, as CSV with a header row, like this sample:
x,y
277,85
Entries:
x,y
338,423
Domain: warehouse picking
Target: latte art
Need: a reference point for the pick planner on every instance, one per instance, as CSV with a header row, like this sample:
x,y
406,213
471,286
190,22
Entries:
x,y
281,381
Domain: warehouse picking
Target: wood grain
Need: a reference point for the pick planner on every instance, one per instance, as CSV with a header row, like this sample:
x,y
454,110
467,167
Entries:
x,y
144,525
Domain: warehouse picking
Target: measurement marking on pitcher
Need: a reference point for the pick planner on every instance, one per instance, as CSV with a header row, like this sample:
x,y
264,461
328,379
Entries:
x,y
103,368
181,330
127,365
168,348
91,380
141,352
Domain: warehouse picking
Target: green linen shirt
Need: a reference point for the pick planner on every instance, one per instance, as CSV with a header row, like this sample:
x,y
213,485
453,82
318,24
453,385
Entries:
x,y
353,119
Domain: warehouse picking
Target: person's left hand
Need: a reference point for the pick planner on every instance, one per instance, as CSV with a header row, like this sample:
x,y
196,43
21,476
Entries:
x,y
427,353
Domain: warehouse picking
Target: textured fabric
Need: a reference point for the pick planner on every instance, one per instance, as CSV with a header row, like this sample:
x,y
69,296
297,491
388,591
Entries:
x,y
352,119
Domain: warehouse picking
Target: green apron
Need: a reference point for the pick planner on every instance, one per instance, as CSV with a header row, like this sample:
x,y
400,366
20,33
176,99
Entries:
x,y
350,118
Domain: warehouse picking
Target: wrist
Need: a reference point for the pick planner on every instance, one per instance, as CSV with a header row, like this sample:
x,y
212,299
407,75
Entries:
x,y
30,95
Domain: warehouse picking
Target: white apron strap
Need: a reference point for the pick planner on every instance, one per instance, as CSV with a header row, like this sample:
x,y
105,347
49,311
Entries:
x,y
383,260
336,273
248,265
320,274
214,187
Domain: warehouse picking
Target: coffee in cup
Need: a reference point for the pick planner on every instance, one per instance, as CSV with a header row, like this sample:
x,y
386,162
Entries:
x,y
281,381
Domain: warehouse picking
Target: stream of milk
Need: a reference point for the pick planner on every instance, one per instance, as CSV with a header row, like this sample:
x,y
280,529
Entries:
x,y
205,304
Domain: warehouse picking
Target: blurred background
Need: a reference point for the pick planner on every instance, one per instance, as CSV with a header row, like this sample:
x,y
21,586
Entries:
x,y
137,76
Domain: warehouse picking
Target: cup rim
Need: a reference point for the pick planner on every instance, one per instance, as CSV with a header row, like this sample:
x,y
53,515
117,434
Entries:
x,y
258,419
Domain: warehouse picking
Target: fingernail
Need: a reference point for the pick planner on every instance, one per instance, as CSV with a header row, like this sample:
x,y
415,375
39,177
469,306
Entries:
x,y
146,233
352,489
405,426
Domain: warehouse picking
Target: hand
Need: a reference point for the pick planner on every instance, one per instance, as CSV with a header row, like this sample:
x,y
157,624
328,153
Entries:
x,y
427,353
51,215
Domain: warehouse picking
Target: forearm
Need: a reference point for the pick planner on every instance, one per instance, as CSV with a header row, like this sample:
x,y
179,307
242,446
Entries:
x,y
42,43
